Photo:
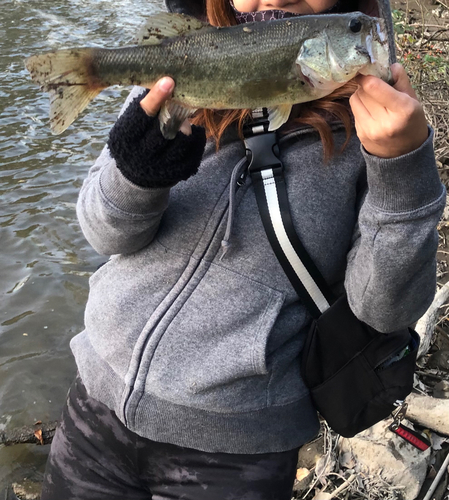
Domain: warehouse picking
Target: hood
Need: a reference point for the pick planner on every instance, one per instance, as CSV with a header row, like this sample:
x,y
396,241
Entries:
x,y
195,8
374,8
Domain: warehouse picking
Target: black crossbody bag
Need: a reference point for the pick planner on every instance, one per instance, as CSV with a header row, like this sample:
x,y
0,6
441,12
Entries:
x,y
357,376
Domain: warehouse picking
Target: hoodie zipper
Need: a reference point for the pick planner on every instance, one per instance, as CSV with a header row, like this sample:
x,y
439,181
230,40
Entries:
x,y
131,389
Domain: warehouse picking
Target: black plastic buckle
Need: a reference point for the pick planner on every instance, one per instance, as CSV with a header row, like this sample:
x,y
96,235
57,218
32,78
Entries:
x,y
261,146
261,152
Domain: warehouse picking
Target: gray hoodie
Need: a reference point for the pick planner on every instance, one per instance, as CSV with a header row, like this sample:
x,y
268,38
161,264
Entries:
x,y
203,352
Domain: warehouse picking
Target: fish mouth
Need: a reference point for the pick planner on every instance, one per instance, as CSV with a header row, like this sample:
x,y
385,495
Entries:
x,y
305,78
363,51
314,79
308,81
376,50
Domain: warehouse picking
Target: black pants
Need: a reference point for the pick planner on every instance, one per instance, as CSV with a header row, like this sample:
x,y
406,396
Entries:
x,y
95,457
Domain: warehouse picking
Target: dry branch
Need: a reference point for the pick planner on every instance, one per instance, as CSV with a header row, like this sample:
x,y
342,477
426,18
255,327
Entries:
x,y
426,325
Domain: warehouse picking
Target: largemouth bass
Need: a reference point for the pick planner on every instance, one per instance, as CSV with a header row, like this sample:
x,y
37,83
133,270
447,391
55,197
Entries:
x,y
273,64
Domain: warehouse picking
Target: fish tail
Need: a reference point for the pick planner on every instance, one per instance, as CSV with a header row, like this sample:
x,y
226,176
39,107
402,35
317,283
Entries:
x,y
69,77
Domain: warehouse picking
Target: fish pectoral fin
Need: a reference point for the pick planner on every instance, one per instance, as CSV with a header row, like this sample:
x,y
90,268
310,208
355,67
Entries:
x,y
167,25
171,117
278,115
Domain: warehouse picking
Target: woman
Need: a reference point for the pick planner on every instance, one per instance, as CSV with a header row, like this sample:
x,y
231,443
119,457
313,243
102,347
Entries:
x,y
189,384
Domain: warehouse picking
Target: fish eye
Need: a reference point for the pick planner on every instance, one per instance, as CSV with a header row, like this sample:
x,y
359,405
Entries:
x,y
355,25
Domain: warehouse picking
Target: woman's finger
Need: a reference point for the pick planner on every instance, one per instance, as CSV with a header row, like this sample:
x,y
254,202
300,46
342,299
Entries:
x,y
160,92
384,94
360,111
376,110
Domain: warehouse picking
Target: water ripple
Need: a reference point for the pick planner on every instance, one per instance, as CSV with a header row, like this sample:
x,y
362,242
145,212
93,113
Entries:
x,y
45,261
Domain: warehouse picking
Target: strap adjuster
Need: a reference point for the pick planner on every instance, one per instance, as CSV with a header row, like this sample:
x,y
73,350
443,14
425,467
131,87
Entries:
x,y
258,124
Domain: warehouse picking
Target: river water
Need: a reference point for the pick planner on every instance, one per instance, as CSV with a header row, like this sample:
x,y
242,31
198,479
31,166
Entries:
x,y
45,261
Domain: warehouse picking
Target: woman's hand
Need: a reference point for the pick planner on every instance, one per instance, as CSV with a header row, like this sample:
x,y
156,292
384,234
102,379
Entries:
x,y
389,120
161,92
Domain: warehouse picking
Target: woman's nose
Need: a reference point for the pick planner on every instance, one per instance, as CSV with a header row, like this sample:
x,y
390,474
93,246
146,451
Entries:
x,y
276,4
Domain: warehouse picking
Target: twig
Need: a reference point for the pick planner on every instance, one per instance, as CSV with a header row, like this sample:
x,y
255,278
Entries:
x,y
443,4
423,24
437,479
327,453
430,375
420,25
342,487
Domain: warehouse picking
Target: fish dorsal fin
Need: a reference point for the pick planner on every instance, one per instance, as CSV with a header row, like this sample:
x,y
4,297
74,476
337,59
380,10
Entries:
x,y
171,117
167,25
278,115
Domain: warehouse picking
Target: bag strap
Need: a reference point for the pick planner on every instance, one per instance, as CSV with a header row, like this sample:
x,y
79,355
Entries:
x,y
267,174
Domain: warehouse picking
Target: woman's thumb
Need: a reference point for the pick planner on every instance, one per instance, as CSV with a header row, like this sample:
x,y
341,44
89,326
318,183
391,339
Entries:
x,y
160,92
401,80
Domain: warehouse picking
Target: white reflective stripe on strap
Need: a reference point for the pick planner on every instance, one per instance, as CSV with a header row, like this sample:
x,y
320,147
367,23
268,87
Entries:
x,y
278,225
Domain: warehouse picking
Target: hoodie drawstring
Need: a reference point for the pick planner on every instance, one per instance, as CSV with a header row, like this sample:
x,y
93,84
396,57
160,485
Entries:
x,y
236,173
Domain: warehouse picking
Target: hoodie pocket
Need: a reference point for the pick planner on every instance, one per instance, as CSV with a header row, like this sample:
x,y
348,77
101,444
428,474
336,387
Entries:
x,y
213,353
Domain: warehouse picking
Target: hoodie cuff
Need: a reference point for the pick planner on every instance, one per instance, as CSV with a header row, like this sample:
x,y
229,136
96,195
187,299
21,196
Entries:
x,y
126,196
145,157
405,183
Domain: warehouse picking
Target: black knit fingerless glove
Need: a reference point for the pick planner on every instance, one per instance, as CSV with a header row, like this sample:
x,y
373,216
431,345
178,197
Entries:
x,y
145,157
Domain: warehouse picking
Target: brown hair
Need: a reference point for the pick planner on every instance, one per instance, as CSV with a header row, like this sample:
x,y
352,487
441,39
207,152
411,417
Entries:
x,y
335,105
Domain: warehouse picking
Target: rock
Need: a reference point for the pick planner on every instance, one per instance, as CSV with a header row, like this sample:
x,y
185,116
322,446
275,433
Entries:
x,y
308,457
441,390
378,451
27,490
303,480
439,360
429,412
310,453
